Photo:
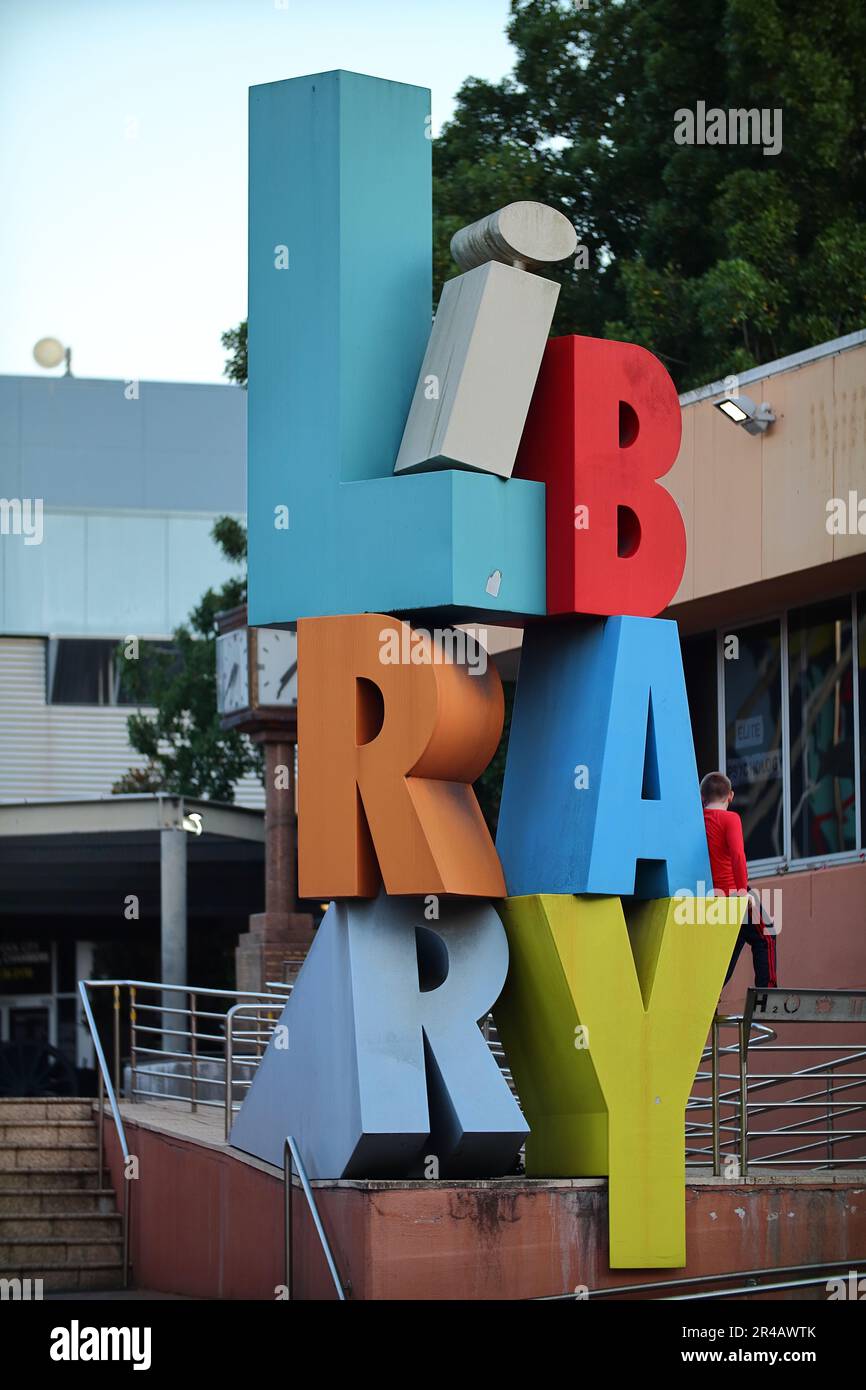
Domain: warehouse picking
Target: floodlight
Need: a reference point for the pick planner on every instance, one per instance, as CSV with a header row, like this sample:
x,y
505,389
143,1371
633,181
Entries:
x,y
742,410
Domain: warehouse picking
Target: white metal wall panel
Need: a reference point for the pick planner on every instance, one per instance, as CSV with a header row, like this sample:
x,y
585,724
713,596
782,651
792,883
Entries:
x,y
63,750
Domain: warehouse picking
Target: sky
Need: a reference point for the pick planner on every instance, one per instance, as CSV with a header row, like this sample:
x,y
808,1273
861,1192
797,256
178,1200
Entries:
x,y
123,164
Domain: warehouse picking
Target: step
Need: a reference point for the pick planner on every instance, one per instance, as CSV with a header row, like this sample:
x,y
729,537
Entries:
x,y
57,1278
75,1155
56,1201
45,1108
55,1134
73,1179
57,1250
28,1226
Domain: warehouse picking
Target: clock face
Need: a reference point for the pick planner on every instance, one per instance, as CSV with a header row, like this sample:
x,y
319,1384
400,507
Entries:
x,y
276,667
232,671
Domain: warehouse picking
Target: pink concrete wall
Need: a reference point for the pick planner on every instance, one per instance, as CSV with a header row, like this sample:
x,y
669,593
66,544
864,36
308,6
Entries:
x,y
822,945
204,1224
208,1224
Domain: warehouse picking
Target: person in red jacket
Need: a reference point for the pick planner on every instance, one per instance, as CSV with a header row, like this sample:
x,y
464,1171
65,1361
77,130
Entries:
x,y
730,875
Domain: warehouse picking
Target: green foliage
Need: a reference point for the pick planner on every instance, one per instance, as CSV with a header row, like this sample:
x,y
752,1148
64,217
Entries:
x,y
717,258
187,751
234,340
488,788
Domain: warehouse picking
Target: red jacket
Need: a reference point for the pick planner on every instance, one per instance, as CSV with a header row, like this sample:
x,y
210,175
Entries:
x,y
727,851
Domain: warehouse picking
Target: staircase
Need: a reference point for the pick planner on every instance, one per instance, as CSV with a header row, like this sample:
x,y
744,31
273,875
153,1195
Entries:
x,y
56,1223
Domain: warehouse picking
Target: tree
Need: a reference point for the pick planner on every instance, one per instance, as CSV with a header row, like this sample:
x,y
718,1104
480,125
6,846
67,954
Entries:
x,y
234,340
488,787
187,751
716,257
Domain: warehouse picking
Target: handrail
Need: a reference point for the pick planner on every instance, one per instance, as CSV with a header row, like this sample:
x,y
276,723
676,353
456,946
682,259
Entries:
x,y
291,1155
106,1088
692,1279
756,1288
750,1099
229,1055
176,988
188,1033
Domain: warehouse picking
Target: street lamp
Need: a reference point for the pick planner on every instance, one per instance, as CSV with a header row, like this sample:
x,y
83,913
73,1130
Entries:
x,y
50,352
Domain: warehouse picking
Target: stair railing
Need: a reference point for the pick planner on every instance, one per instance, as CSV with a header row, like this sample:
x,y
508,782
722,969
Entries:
x,y
658,1288
292,1159
839,1094
107,1089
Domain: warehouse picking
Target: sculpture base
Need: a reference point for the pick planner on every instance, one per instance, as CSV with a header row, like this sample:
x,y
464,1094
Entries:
x,y
210,1225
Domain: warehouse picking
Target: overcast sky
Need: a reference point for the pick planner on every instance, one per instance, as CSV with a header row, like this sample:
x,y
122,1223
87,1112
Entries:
x,y
123,162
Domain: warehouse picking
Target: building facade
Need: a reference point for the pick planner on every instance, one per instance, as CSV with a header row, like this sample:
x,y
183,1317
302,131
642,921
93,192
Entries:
x,y
108,493
772,618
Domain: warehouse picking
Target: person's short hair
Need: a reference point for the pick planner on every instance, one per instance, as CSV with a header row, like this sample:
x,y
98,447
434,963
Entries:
x,y
715,787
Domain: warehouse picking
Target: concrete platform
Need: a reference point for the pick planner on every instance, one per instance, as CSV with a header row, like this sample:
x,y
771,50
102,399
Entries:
x,y
208,1223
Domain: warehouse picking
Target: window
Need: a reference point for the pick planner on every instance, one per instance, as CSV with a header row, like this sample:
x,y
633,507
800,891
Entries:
x,y
81,671
821,704
791,730
752,667
67,1027
88,670
699,666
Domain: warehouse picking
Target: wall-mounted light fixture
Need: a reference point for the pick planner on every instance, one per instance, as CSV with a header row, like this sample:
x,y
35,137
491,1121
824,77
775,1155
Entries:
x,y
742,410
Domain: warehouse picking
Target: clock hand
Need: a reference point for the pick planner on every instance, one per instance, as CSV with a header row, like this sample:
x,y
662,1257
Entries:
x,y
287,676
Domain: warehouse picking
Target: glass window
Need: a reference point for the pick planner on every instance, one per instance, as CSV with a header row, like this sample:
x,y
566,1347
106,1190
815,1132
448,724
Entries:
x,y
752,663
81,672
699,667
823,810
92,671
25,967
66,981
67,1025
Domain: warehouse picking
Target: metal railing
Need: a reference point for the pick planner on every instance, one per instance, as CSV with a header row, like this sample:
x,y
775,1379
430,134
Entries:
x,y
291,1160
823,1087
255,1041
201,1047
491,1037
658,1288
106,1088
201,1052
758,1035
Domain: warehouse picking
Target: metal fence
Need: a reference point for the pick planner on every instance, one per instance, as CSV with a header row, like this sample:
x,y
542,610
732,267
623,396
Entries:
x,y
202,1046
188,1044
793,1116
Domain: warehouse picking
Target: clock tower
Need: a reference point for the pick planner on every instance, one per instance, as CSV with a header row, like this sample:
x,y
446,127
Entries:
x,y
257,693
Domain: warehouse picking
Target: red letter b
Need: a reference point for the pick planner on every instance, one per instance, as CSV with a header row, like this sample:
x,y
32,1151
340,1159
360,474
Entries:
x,y
603,426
